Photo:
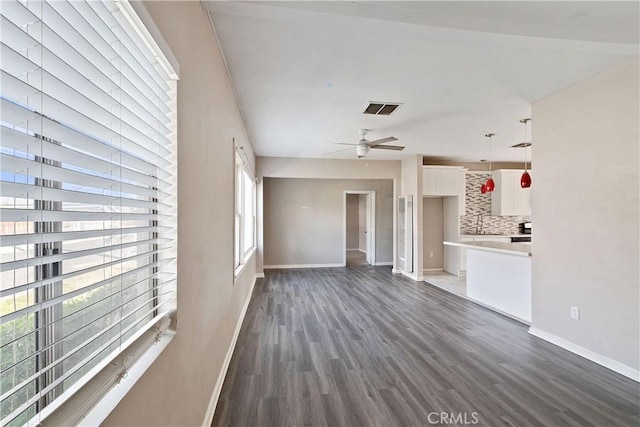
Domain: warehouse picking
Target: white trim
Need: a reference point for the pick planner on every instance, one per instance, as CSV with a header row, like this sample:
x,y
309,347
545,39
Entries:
x,y
384,263
395,271
413,276
136,13
605,361
357,249
110,400
428,270
213,402
95,398
271,267
260,275
240,268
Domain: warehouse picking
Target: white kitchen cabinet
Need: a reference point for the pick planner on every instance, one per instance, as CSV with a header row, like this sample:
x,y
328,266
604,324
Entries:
x,y
508,198
444,181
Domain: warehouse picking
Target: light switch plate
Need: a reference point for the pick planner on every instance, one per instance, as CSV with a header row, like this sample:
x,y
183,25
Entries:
x,y
575,313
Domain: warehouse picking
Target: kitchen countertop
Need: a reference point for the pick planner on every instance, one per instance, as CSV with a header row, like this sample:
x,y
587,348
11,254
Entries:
x,y
494,235
500,247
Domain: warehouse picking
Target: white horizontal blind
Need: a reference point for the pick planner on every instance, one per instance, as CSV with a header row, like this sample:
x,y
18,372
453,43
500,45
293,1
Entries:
x,y
87,195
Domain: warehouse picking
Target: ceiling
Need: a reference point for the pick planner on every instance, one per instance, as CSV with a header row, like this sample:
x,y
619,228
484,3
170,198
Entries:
x,y
304,71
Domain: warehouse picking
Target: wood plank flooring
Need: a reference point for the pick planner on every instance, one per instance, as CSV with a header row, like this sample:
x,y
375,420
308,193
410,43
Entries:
x,y
358,346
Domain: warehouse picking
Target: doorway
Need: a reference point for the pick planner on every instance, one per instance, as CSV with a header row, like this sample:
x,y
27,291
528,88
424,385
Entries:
x,y
359,228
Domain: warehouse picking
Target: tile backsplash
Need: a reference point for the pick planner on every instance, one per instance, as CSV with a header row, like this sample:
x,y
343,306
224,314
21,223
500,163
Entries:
x,y
478,205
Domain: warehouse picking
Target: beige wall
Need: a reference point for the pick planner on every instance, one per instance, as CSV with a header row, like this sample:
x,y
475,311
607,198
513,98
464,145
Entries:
x,y
286,167
177,388
433,222
353,221
585,214
303,220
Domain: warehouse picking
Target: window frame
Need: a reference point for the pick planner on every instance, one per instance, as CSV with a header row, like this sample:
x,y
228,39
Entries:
x,y
242,175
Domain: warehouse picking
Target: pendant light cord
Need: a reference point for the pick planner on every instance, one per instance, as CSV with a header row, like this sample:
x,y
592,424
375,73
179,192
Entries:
x,y
525,146
489,135
490,157
525,121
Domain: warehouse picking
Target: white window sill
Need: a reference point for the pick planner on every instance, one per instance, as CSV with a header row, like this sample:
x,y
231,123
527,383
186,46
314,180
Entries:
x,y
94,401
101,411
240,269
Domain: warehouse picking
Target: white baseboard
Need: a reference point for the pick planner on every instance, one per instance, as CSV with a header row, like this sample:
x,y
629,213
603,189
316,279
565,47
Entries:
x,y
413,276
271,267
614,365
358,250
431,270
384,263
259,275
213,402
395,271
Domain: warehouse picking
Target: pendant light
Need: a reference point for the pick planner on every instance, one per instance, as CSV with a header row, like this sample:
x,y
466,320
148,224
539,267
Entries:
x,y
525,179
483,187
490,185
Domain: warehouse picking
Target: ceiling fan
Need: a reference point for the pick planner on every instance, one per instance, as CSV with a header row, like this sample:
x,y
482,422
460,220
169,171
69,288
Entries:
x,y
363,146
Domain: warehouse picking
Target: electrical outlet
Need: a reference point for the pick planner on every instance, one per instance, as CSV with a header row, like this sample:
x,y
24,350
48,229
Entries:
x,y
430,254
575,313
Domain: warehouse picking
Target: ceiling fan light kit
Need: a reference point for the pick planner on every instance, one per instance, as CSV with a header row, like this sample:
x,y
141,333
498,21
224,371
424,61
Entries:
x,y
364,146
362,150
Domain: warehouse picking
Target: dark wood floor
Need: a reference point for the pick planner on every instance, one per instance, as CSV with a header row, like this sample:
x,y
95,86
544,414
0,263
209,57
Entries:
x,y
359,346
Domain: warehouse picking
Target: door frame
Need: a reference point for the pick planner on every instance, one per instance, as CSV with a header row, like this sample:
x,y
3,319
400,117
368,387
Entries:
x,y
371,252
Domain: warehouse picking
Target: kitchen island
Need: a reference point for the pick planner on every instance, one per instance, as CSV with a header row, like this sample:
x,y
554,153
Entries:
x,y
499,276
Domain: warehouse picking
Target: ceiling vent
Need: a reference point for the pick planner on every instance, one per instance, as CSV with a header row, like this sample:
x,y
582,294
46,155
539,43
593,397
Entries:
x,y
522,145
381,108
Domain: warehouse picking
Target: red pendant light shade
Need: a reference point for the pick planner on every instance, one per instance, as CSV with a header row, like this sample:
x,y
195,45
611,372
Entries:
x,y
525,179
490,185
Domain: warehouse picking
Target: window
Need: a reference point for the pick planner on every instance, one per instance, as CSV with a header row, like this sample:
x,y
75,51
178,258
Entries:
x,y
245,216
87,248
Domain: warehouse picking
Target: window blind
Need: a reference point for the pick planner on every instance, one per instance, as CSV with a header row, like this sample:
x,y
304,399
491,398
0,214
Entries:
x,y
87,195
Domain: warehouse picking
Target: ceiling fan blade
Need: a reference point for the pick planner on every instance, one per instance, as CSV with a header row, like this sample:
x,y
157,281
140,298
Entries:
x,y
344,143
339,151
388,147
382,141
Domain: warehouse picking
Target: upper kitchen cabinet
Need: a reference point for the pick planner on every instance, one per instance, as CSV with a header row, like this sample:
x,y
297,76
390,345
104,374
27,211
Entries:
x,y
444,181
509,199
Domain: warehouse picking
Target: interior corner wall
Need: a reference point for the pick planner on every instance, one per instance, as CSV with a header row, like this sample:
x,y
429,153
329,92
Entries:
x,y
585,200
177,387
411,185
303,220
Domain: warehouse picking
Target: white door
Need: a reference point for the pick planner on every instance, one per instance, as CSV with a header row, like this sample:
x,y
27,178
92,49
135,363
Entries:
x,y
408,259
368,231
402,218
